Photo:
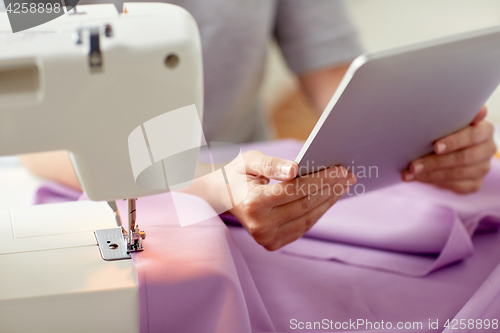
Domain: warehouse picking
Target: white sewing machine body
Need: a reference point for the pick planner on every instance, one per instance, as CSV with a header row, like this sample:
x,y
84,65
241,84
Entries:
x,y
53,278
52,275
51,82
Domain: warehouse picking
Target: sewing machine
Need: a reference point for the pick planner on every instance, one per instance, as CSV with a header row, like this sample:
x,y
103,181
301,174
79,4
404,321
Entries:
x,y
123,94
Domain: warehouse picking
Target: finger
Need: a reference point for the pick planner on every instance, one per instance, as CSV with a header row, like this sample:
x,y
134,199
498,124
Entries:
x,y
481,115
472,172
299,207
296,228
259,164
467,137
462,186
468,156
289,191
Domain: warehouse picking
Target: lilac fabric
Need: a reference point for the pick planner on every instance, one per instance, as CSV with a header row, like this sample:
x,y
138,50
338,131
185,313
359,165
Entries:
x,y
294,287
298,288
52,192
194,278
198,279
483,308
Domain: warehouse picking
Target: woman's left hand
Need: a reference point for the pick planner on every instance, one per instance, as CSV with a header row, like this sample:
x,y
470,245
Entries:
x,y
461,160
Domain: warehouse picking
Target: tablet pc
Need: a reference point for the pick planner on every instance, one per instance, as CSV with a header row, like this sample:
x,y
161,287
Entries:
x,y
391,106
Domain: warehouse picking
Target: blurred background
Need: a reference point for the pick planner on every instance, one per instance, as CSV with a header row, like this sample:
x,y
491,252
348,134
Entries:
x,y
382,24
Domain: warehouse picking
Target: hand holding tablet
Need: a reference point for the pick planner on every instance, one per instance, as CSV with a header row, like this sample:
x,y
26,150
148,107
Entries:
x,y
397,106
461,159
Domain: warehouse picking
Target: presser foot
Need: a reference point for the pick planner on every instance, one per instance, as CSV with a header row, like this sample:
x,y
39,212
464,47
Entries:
x,y
117,243
135,235
134,240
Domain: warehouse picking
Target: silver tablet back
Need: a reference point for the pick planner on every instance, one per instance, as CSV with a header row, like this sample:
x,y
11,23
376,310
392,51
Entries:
x,y
391,106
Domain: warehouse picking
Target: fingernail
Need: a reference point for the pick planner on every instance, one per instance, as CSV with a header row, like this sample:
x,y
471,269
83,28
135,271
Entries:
x,y
417,168
285,169
440,148
409,177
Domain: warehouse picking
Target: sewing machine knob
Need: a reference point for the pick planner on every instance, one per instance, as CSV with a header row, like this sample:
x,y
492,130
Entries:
x,y
143,234
172,60
108,30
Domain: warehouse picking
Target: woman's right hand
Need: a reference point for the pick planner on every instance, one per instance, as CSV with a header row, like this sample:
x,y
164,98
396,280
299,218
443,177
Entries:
x,y
278,214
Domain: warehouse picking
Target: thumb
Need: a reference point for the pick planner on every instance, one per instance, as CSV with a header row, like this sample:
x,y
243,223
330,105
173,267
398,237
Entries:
x,y
480,115
259,164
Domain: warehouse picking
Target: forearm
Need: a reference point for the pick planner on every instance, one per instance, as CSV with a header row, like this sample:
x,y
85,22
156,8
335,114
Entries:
x,y
54,166
319,86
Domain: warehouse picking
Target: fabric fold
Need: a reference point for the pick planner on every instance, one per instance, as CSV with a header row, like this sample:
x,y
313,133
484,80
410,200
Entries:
x,y
427,236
